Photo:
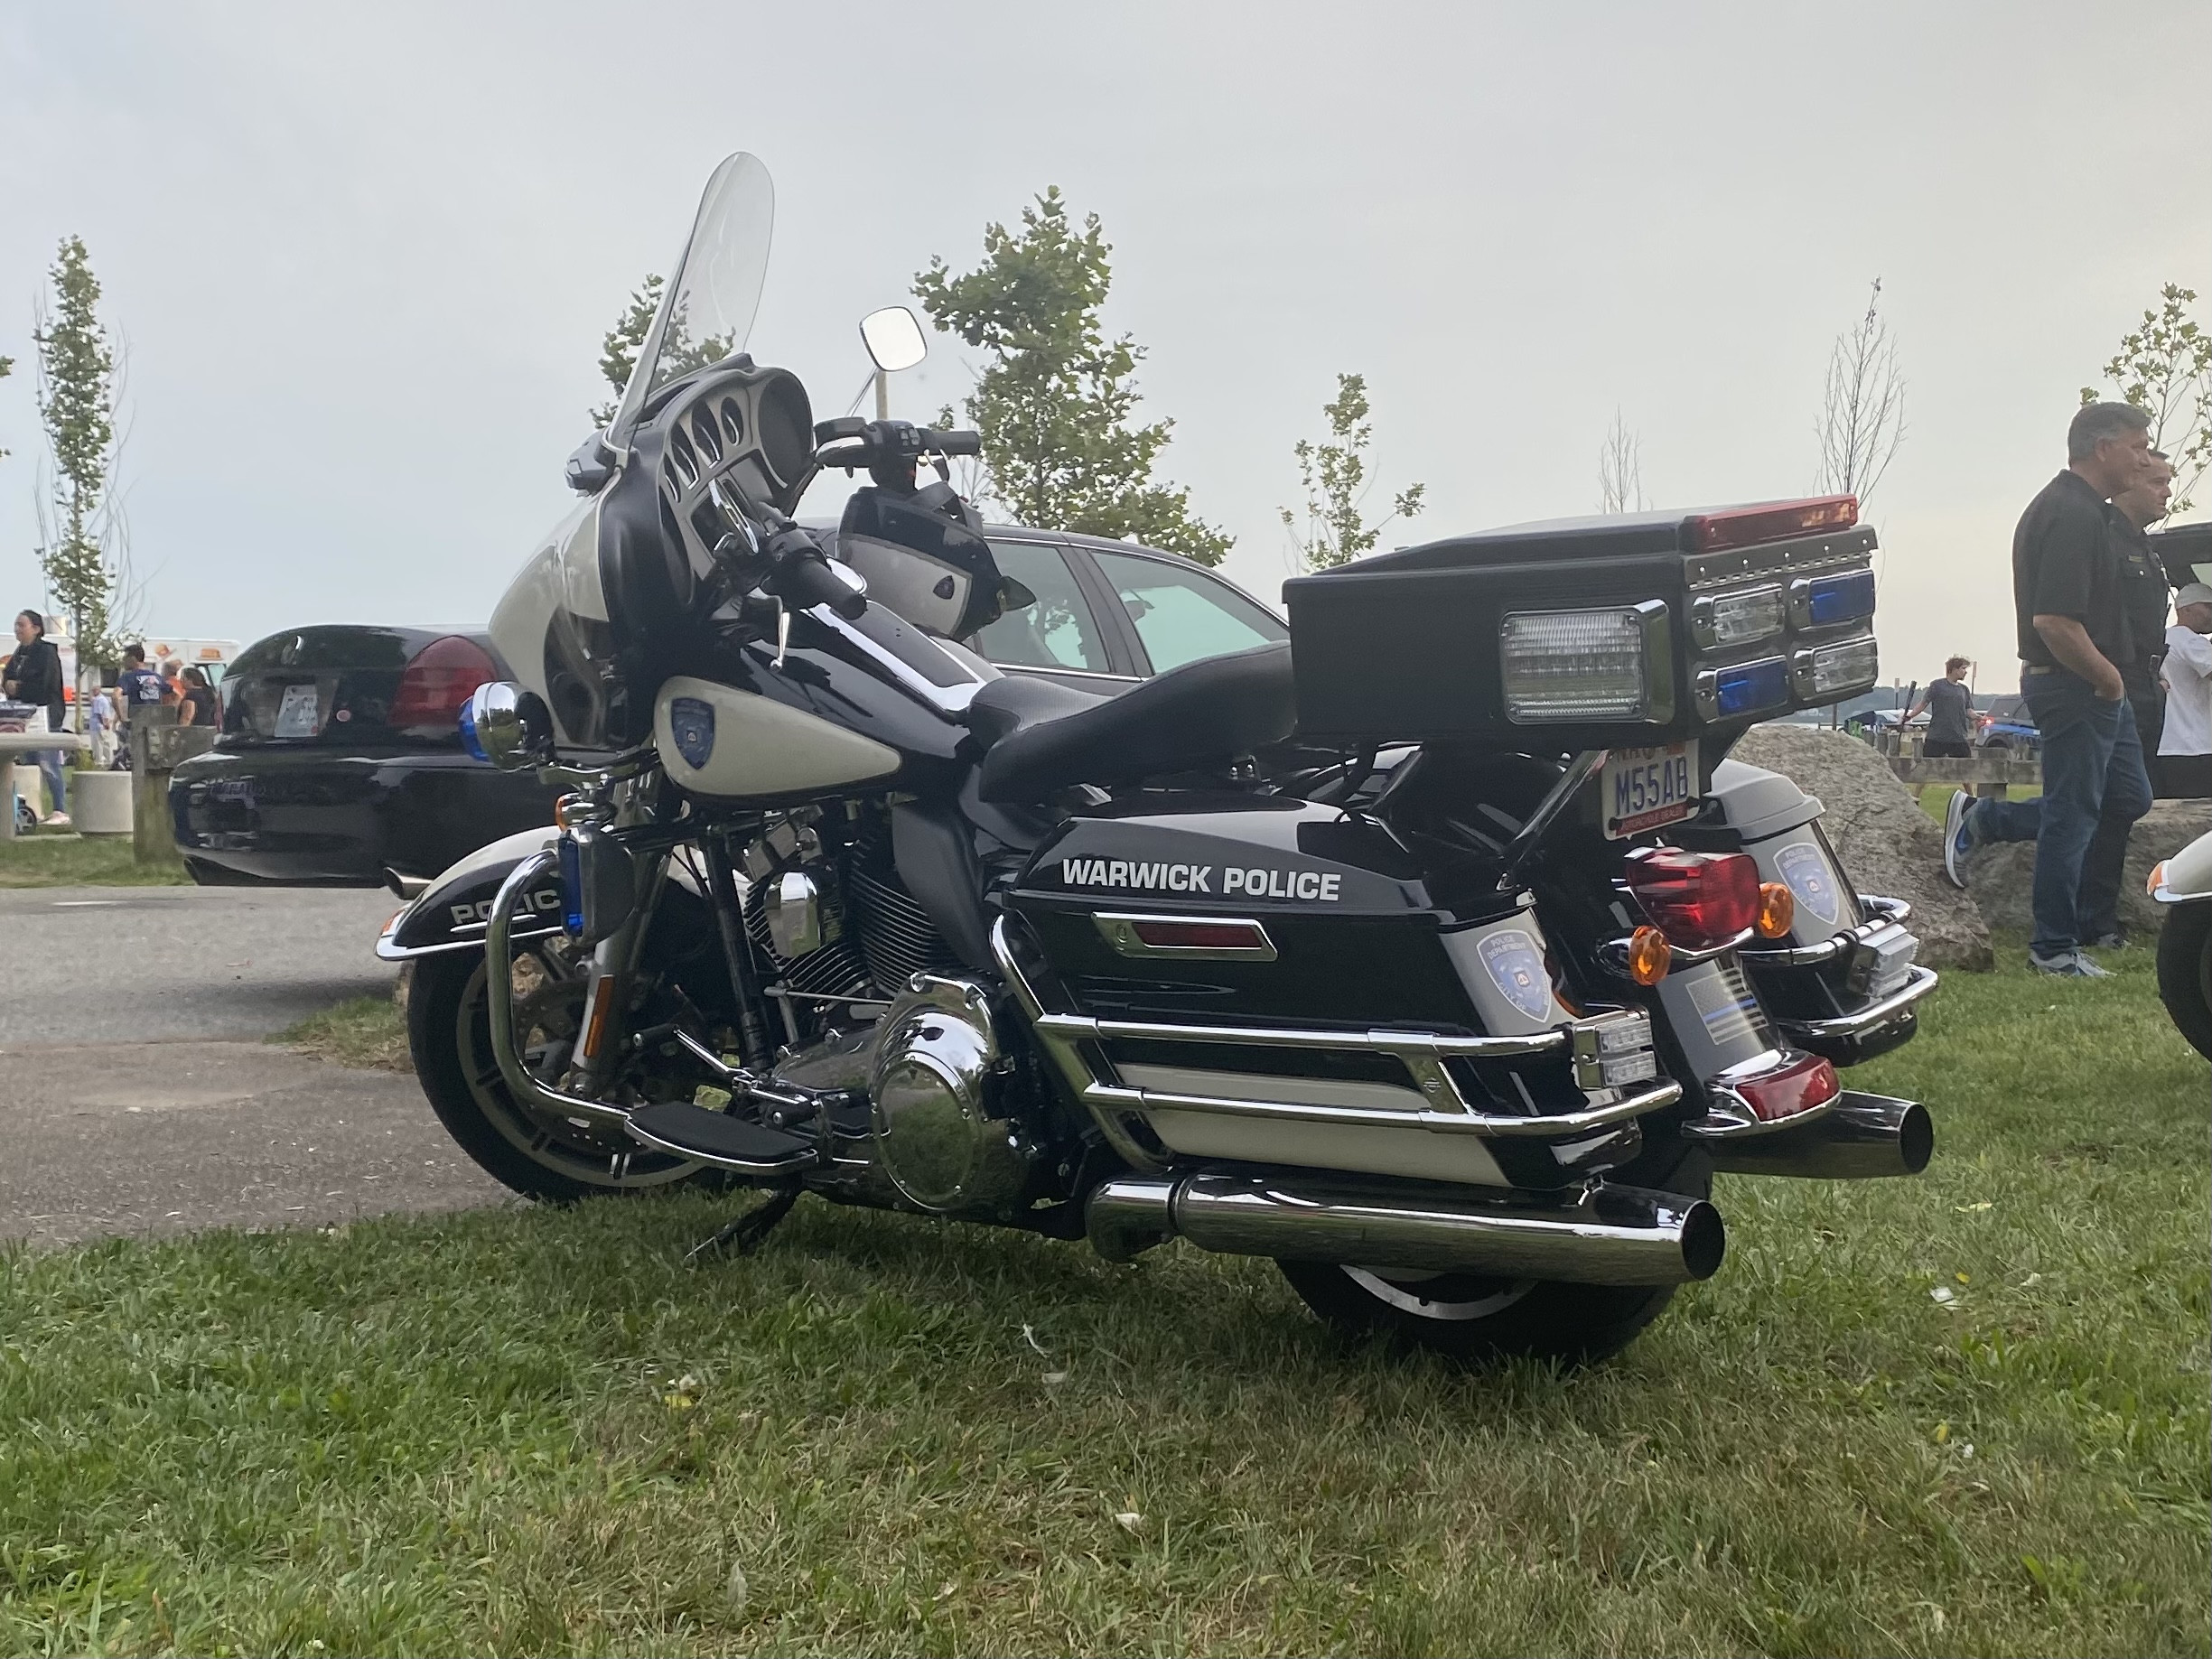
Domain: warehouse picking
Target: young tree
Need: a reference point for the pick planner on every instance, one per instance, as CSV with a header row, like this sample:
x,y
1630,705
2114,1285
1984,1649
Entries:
x,y
2164,368
80,520
1055,398
624,340
1862,412
1620,470
1334,475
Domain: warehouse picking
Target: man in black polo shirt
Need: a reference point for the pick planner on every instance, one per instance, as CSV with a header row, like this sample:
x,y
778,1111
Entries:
x,y
2144,595
2068,599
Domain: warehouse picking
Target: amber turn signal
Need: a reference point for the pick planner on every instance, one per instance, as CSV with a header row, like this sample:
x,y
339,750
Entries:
x,y
2157,878
561,807
1777,908
1649,955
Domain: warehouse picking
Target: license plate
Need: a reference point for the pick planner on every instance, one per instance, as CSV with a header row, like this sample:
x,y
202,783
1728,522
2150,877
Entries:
x,y
296,715
1647,787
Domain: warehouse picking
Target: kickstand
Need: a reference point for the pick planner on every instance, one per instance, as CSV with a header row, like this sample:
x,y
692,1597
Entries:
x,y
746,1233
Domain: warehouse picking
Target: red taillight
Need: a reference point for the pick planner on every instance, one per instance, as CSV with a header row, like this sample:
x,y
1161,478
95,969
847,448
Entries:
x,y
1161,934
1807,1082
439,678
1698,900
1742,527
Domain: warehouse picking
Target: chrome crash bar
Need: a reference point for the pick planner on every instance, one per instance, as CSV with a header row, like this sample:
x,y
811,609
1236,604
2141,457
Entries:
x,y
1422,1053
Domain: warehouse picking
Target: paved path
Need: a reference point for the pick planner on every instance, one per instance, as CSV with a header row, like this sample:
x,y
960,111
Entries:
x,y
183,962
176,1115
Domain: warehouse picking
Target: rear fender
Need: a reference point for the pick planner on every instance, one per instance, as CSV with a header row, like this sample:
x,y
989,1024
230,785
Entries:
x,y
451,912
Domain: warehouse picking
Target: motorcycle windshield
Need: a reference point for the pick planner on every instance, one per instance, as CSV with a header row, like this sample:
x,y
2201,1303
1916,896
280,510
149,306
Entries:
x,y
706,307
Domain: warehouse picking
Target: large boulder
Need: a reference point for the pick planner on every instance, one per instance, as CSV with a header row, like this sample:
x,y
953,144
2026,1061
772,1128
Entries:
x,y
2002,876
1887,843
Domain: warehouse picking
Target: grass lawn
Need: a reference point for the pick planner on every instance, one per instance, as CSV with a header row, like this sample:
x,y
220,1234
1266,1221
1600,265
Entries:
x,y
539,1431
368,1032
76,860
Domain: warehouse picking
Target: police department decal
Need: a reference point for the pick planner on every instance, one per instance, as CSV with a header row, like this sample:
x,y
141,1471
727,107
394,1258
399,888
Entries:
x,y
1810,881
1516,967
1130,876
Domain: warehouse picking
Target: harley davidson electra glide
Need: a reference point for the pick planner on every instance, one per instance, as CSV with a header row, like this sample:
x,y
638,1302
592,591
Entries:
x,y
1441,954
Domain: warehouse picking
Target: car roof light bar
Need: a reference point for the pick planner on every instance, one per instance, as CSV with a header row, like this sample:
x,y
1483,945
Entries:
x,y
1770,521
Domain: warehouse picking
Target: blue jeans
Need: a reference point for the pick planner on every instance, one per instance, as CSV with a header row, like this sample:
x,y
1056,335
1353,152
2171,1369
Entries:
x,y
2093,776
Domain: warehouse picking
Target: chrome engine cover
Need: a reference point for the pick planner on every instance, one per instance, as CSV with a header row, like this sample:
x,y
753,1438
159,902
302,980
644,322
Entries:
x,y
936,1135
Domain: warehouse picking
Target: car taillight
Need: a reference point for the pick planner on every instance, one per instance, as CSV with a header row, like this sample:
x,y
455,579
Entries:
x,y
1770,521
1804,1083
1698,900
440,679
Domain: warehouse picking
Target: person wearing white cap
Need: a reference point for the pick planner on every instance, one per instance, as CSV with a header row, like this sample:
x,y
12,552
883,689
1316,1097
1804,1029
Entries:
x,y
2185,748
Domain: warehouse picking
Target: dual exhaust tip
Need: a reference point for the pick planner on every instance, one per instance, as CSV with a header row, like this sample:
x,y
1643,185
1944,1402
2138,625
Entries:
x,y
1602,1234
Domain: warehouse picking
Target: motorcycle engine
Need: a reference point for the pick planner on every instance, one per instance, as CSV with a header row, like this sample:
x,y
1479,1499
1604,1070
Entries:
x,y
931,1091
836,929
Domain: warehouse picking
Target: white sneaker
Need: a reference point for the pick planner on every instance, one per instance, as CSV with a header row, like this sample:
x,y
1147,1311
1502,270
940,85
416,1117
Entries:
x,y
1958,838
2068,964
62,818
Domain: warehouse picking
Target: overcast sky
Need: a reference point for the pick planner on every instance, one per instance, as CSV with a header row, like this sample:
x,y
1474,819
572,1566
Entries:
x,y
363,257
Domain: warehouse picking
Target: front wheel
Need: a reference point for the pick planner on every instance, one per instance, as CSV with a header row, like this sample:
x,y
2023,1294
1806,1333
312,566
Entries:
x,y
540,1155
2185,973
1469,1319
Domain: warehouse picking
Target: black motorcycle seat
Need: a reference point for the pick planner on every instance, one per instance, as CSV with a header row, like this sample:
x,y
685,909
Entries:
x,y
1043,737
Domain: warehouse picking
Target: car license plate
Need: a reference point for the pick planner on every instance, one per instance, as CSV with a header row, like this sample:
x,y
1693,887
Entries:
x,y
296,715
1647,787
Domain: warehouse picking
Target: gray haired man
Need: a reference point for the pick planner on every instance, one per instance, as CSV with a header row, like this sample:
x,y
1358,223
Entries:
x,y
2071,612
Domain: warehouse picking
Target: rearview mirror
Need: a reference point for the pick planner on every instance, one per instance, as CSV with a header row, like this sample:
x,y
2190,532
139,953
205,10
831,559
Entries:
x,y
893,339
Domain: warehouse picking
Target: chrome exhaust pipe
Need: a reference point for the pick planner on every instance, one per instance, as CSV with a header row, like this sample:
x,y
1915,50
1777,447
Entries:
x,y
1608,1235
1860,1137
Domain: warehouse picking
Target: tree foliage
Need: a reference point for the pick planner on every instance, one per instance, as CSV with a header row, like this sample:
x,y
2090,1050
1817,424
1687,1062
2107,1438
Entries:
x,y
624,340
1056,397
78,520
2164,368
1620,469
1334,476
1862,410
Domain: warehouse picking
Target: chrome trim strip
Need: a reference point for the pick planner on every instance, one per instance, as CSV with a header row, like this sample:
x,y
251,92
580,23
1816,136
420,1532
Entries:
x,y
1120,930
1406,1045
948,701
1467,1122
1919,982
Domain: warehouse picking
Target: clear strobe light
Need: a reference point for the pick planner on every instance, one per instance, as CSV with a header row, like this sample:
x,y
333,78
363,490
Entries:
x,y
1575,664
1727,620
1835,669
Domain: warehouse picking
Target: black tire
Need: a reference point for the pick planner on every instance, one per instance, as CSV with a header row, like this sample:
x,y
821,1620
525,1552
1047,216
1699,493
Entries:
x,y
2185,973
449,1033
1474,1320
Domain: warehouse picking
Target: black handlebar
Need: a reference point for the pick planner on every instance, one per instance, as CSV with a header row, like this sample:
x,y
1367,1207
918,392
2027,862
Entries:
x,y
876,442
803,579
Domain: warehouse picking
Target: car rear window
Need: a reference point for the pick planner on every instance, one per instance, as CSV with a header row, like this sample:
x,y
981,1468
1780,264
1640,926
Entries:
x,y
330,686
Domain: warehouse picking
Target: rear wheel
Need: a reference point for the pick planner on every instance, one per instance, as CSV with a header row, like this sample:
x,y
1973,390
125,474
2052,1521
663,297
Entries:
x,y
2184,971
536,1153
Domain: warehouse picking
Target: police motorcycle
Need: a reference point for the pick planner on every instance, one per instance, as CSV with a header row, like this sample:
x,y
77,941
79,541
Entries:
x,y
1441,956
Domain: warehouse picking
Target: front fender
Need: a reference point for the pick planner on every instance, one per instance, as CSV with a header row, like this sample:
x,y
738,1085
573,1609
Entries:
x,y
451,911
